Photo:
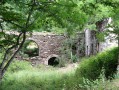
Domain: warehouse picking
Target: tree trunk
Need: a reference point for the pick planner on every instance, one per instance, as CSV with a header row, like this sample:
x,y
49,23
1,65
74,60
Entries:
x,y
11,59
4,66
1,75
6,62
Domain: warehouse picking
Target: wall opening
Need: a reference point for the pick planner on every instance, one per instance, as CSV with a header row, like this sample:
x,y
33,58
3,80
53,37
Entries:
x,y
74,49
87,51
30,49
53,61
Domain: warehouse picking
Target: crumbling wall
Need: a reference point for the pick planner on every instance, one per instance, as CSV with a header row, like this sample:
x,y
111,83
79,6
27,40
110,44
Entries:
x,y
48,46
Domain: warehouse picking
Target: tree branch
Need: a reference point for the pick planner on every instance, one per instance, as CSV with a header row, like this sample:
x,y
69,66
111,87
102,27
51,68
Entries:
x,y
3,47
7,51
1,27
11,59
30,13
4,66
13,23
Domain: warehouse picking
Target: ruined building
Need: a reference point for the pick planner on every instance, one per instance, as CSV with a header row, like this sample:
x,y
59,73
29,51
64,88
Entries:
x,y
49,46
85,44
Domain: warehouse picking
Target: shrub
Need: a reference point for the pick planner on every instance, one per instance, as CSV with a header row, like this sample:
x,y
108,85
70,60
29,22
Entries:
x,y
74,58
91,68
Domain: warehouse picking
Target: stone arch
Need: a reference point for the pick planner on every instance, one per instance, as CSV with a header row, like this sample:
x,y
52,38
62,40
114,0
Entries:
x,y
53,60
35,51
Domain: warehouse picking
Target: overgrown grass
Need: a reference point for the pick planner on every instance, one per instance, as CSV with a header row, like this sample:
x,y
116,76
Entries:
x,y
101,83
22,76
32,80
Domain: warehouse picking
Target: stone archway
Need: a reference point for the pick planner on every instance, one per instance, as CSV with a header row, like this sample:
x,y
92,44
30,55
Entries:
x,y
31,48
53,61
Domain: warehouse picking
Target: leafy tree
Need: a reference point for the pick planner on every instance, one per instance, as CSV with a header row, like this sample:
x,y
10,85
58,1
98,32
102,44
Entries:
x,y
22,16
114,27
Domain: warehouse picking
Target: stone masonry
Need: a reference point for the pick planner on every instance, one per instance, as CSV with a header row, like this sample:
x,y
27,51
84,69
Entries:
x,y
48,45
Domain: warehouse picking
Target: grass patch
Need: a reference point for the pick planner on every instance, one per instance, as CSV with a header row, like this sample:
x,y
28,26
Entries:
x,y
22,76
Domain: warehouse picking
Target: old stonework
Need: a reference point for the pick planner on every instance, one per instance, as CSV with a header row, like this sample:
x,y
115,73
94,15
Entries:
x,y
48,45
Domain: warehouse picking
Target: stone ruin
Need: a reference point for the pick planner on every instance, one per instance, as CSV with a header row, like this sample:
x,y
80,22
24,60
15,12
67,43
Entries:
x,y
86,44
48,45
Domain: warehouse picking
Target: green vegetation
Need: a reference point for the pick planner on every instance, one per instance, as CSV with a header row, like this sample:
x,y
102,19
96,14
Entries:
x,y
68,16
26,16
91,68
22,76
30,48
39,15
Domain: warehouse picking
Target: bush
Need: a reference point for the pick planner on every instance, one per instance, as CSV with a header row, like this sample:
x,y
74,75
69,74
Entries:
x,y
91,68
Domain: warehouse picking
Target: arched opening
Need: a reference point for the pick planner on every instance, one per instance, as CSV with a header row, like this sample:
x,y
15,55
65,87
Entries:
x,y
30,49
53,61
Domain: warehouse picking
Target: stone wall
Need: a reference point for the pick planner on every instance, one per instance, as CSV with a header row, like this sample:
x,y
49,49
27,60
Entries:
x,y
48,45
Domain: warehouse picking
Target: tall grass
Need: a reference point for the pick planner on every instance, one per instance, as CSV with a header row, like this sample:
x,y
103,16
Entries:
x,y
89,76
32,80
101,83
22,76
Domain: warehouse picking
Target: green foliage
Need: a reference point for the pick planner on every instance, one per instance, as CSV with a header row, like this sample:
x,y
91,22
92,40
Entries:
x,y
99,84
31,51
17,66
91,68
100,37
6,39
37,81
74,58
44,15
30,48
71,15
22,76
62,62
68,50
1,56
33,15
